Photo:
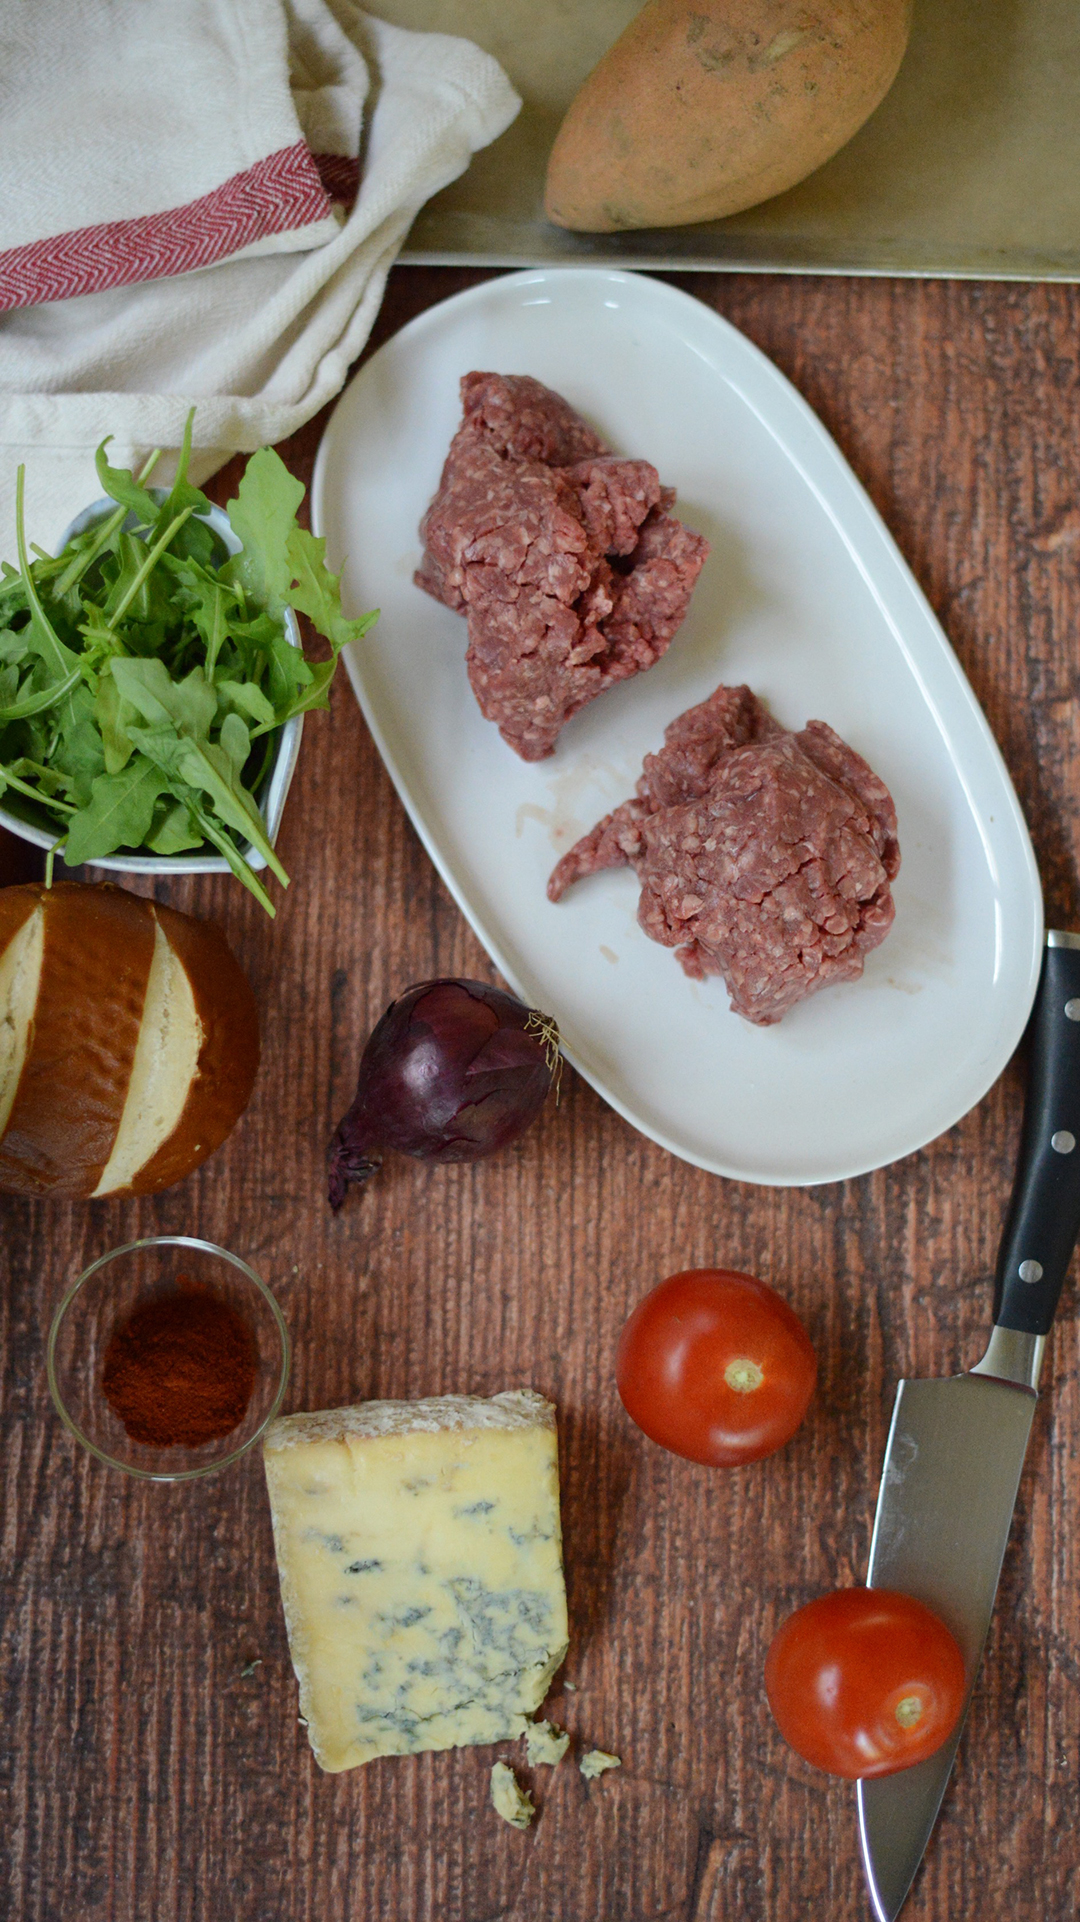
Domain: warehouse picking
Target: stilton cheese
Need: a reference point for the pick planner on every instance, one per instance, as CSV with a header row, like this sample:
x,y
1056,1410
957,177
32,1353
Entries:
x,y
596,1761
545,1744
510,1799
420,1556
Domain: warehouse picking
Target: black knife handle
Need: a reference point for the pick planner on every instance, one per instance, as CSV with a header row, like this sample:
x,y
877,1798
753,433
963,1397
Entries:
x,y
1044,1214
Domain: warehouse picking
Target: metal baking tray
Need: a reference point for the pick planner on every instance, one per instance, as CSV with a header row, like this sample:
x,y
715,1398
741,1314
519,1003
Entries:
x,y
971,165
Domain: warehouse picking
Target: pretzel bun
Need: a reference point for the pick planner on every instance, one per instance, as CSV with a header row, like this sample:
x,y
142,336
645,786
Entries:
x,y
129,1041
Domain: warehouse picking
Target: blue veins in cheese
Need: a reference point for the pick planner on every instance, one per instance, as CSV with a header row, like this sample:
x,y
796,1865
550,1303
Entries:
x,y
419,1549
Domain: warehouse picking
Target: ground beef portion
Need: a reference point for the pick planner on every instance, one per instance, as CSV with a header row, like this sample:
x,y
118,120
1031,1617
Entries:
x,y
520,417
567,563
764,856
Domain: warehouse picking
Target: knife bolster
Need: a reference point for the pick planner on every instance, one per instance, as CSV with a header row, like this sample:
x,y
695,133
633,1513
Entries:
x,y
1013,1355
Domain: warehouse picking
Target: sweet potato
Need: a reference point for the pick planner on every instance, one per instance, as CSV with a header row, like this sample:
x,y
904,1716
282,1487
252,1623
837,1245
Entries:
x,y
704,107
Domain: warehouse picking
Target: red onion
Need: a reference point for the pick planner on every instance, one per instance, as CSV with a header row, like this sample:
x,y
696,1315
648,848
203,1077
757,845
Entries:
x,y
453,1070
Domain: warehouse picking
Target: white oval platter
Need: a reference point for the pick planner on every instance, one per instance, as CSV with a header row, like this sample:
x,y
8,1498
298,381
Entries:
x,y
806,597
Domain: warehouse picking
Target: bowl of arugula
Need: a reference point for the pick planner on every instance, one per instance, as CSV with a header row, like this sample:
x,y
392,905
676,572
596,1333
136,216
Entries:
x,y
153,683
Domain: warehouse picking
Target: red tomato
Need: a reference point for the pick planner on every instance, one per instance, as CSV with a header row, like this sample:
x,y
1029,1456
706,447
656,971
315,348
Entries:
x,y
865,1682
713,1365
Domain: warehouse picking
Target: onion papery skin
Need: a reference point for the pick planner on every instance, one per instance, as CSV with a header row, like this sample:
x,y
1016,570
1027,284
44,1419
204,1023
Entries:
x,y
453,1071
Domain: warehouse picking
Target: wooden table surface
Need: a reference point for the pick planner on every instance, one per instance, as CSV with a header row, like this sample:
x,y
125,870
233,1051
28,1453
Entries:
x,y
149,1773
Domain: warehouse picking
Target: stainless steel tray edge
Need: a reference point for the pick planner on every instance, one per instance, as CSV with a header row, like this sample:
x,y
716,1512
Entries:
x,y
970,168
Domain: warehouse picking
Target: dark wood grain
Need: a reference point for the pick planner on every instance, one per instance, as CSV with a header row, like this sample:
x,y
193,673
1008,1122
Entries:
x,y
145,1774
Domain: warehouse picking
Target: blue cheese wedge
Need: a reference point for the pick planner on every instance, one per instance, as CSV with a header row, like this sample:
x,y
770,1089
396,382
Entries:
x,y
420,1555
595,1763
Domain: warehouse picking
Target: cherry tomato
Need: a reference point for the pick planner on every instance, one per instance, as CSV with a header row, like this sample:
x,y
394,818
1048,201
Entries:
x,y
716,1367
865,1681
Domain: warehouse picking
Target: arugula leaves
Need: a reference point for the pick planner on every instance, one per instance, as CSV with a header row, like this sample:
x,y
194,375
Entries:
x,y
145,673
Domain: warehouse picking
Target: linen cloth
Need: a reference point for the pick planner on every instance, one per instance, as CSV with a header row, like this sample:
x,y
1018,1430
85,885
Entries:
x,y
148,137
260,340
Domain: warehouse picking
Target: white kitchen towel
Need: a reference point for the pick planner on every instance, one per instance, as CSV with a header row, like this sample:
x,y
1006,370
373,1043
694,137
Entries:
x,y
140,138
259,341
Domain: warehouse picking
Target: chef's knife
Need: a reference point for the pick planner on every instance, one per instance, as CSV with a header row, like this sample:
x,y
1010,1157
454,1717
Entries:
x,y
956,1447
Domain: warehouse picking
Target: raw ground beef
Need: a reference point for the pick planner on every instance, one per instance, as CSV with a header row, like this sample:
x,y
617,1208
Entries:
x,y
764,856
569,567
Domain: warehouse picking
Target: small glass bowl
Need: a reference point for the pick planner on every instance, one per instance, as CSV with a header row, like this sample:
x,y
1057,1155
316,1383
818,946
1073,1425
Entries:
x,y
104,1296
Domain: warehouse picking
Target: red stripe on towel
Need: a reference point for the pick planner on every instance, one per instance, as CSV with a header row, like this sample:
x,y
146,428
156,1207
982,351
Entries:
x,y
275,196
340,175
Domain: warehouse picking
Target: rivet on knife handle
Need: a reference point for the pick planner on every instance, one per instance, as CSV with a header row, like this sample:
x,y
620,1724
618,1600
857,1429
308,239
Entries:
x,y
1044,1214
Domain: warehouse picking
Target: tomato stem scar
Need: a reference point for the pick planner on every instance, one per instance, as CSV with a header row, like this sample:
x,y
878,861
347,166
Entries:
x,y
909,1711
743,1375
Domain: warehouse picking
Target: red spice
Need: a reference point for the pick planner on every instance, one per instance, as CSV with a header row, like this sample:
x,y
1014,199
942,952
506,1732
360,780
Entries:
x,y
180,1370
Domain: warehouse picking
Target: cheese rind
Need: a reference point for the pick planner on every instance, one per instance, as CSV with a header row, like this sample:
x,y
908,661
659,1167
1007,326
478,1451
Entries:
x,y
420,1555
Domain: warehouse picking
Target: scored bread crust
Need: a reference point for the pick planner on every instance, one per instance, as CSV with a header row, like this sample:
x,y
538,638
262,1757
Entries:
x,y
98,946
228,1056
16,906
98,949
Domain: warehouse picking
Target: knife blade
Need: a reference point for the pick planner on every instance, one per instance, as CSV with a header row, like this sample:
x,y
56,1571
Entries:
x,y
956,1446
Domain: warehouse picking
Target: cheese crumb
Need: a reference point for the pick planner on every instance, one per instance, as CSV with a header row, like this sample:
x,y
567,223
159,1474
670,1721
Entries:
x,y
545,1744
510,1798
596,1761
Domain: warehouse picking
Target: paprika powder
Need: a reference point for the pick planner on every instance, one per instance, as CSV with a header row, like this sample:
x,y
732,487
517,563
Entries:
x,y
180,1370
